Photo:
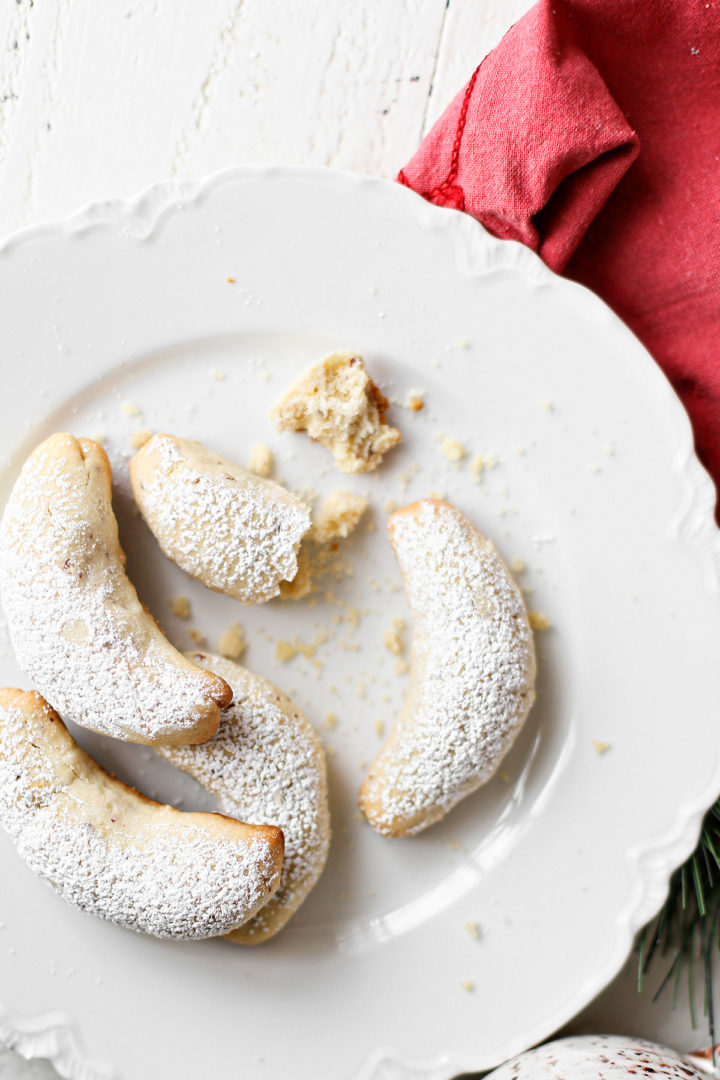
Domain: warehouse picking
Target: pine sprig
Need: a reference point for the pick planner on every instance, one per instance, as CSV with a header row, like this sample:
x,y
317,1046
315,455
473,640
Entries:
x,y
688,925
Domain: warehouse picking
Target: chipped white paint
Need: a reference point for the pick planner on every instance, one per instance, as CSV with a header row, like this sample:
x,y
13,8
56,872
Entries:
x,y
100,99
466,39
105,99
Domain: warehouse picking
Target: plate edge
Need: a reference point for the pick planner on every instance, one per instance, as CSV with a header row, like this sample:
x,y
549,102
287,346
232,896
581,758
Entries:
x,y
55,1036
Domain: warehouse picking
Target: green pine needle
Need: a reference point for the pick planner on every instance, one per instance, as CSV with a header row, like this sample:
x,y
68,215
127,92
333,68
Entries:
x,y
688,925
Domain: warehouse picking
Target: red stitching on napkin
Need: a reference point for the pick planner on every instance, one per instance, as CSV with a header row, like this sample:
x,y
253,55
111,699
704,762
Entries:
x,y
448,193
542,147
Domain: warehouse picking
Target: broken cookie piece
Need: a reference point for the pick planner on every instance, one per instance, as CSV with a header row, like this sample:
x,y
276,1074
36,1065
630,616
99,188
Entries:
x,y
337,517
237,533
339,405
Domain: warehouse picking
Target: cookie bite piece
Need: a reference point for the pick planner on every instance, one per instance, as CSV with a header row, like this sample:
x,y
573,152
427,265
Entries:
x,y
236,532
75,621
266,763
338,516
339,406
472,671
112,852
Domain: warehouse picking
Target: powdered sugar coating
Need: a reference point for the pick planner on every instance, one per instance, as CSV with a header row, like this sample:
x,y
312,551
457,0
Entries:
x,y
75,621
112,852
598,1057
236,532
473,671
266,763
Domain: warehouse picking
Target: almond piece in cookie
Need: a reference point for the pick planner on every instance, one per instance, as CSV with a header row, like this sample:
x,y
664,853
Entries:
x,y
472,671
236,532
76,624
110,851
339,405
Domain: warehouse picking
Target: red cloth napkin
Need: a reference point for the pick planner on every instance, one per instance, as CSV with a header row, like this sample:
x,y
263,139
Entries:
x,y
592,134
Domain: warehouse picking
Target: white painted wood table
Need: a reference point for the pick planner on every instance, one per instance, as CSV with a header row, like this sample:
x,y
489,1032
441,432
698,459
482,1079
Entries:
x,y
99,99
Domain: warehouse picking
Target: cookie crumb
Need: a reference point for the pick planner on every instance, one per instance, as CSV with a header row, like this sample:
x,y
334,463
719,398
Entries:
x,y
379,727
232,643
261,460
401,667
601,747
180,606
468,985
284,651
130,409
338,516
219,376
517,565
138,438
231,281
538,620
393,642
415,400
331,721
473,930
547,405
199,639
477,467
287,650
452,449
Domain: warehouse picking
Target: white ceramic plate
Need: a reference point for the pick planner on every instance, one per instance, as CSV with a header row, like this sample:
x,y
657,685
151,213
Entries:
x,y
566,853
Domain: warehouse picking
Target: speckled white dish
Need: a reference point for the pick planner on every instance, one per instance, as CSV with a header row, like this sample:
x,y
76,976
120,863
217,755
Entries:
x,y
124,318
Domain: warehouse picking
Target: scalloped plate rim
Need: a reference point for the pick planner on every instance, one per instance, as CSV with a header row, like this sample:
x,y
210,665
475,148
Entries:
x,y
56,1036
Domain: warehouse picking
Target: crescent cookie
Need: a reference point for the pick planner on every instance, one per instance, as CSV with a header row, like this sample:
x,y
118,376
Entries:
x,y
110,851
236,532
266,763
75,621
472,672
339,406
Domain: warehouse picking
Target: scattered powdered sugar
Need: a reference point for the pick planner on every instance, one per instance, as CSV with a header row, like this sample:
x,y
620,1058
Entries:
x,y
239,534
266,764
110,851
473,671
77,627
